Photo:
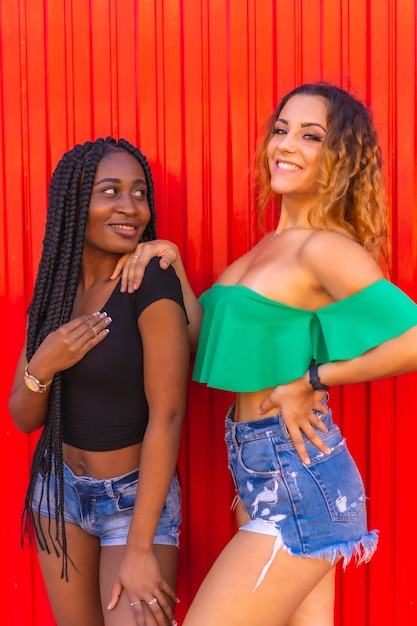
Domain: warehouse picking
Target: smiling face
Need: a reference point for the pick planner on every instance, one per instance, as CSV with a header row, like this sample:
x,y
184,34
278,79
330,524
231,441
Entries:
x,y
119,210
295,145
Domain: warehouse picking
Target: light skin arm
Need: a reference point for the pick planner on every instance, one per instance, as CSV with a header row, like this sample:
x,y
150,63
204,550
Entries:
x,y
325,256
166,360
392,358
59,350
132,267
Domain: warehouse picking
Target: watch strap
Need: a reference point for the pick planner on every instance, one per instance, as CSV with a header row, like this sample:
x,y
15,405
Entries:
x,y
36,386
315,381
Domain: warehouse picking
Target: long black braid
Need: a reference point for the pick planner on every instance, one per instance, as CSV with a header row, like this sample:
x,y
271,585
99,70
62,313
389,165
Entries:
x,y
51,306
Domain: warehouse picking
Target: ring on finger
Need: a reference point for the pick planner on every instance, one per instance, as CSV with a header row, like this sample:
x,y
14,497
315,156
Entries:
x,y
135,256
135,602
152,601
94,331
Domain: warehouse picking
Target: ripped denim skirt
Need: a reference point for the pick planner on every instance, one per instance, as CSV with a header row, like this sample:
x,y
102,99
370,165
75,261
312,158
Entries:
x,y
316,510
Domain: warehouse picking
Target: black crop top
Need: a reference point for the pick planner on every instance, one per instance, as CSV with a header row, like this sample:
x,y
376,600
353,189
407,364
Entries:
x,y
104,403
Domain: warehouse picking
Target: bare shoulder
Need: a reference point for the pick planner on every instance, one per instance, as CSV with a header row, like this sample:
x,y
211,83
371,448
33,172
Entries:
x,y
326,244
319,237
339,264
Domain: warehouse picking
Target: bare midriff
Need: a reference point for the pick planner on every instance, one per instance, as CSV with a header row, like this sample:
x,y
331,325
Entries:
x,y
247,404
101,465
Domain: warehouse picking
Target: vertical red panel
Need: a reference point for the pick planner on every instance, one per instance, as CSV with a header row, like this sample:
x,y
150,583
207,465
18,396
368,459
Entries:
x,y
332,41
242,113
191,83
286,45
312,39
196,238
60,135
15,570
381,46
102,42
146,74
404,195
124,14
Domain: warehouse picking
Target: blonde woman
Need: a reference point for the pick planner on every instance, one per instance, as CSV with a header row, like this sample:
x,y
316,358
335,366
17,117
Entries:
x,y
302,311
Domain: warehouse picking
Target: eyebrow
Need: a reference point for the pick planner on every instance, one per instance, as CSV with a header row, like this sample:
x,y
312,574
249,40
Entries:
x,y
117,180
303,125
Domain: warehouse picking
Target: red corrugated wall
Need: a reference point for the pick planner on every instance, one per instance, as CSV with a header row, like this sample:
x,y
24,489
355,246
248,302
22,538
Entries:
x,y
191,82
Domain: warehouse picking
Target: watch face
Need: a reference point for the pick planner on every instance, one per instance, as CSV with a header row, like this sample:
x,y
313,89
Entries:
x,y
31,383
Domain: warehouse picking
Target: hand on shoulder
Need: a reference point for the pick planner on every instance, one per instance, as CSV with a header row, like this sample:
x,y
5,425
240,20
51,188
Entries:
x,y
132,267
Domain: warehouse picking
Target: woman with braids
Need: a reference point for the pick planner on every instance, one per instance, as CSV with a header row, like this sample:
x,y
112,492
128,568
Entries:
x,y
104,374
305,309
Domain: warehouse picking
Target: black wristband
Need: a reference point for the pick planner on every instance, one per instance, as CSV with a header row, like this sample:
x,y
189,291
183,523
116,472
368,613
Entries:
x,y
315,381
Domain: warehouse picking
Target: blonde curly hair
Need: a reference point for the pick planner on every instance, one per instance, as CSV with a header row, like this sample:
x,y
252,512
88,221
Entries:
x,y
350,182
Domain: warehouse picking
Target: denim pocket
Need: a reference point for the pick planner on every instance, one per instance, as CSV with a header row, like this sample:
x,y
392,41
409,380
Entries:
x,y
340,482
258,458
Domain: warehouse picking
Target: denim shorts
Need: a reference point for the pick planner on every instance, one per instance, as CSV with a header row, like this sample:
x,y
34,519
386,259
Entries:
x,y
104,508
316,510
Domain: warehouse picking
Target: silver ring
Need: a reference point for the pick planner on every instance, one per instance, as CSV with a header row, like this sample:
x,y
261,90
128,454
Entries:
x,y
94,331
152,601
136,602
135,256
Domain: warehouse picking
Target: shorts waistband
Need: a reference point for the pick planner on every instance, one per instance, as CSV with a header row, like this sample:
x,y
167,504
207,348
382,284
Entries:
x,y
273,425
95,487
266,426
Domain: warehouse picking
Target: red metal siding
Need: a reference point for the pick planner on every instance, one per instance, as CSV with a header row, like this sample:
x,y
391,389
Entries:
x,y
191,83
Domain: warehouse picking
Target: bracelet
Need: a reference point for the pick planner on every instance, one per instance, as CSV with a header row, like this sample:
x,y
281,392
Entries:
x,y
315,381
34,384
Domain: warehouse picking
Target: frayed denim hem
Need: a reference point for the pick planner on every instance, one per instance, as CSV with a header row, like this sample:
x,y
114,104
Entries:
x,y
360,550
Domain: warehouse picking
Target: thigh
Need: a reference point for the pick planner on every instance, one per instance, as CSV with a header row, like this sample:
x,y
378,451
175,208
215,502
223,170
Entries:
x,y
241,514
167,557
111,557
227,596
318,607
75,602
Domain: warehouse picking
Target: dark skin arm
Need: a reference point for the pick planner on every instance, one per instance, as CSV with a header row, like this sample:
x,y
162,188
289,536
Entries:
x,y
60,350
166,359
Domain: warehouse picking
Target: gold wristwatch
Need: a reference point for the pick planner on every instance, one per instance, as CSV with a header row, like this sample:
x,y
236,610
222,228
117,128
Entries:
x,y
34,384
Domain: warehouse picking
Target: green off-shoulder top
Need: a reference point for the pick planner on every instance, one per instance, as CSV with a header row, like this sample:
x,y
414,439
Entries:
x,y
249,342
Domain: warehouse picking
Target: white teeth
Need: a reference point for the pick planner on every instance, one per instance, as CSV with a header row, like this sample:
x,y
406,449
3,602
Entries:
x,y
288,166
123,226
